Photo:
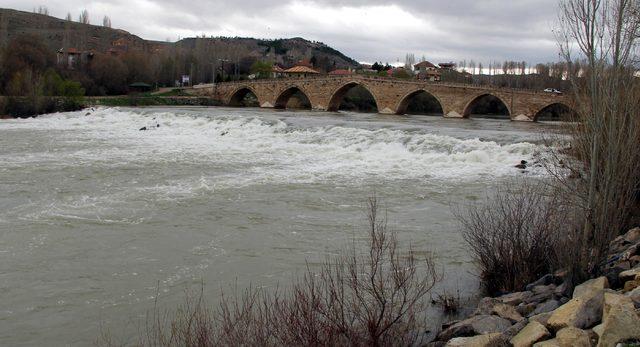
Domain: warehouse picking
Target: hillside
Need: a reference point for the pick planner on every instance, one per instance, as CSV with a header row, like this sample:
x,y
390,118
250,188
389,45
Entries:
x,y
59,33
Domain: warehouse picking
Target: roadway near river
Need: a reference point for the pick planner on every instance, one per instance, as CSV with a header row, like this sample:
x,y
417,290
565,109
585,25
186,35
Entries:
x,y
97,217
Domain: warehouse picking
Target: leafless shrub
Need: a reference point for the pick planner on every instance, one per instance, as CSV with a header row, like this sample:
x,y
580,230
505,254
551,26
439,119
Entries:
x,y
514,235
449,303
606,179
370,298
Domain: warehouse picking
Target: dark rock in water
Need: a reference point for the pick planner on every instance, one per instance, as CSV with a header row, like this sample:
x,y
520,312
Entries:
x,y
157,125
143,129
87,114
224,133
522,165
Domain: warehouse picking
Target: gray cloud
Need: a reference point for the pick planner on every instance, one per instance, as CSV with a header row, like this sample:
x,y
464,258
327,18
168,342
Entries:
x,y
372,30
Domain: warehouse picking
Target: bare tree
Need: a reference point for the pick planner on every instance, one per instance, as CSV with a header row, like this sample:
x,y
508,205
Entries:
x,y
106,22
606,35
43,10
84,17
514,235
68,18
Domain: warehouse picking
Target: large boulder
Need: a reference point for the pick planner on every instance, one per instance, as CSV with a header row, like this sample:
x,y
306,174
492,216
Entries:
x,y
489,306
477,325
515,298
613,299
631,285
531,334
488,340
541,318
634,295
620,323
515,329
546,306
573,337
630,275
599,283
633,235
547,343
543,281
583,311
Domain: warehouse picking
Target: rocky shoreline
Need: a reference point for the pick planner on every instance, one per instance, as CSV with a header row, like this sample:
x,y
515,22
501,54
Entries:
x,y
604,311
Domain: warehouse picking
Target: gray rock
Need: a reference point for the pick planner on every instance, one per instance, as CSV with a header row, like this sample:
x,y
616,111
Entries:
x,y
546,306
543,281
526,309
515,298
489,306
541,318
515,329
477,325
635,297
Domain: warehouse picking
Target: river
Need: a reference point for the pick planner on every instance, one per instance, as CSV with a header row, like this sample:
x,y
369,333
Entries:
x,y
97,217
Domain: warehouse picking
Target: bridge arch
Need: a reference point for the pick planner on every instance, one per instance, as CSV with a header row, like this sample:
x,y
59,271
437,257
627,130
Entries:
x,y
338,95
488,103
289,92
555,111
239,95
435,106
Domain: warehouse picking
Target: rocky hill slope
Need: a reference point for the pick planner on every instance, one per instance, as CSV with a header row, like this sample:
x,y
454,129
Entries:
x,y
59,33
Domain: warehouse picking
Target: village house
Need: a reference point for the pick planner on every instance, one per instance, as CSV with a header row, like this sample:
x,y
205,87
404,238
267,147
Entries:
x,y
300,71
72,57
426,71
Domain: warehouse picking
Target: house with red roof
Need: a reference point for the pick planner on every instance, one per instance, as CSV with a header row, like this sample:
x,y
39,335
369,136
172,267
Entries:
x,y
427,71
300,71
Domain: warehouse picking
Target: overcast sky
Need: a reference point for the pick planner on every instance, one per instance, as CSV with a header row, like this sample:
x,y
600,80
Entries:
x,y
366,30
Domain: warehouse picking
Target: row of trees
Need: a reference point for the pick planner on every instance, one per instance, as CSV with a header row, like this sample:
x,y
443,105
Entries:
x,y
29,79
594,194
83,17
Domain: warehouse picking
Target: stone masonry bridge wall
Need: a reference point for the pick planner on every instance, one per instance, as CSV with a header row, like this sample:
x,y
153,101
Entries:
x,y
391,95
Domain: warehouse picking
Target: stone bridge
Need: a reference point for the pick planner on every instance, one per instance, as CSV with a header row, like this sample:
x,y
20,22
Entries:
x,y
392,96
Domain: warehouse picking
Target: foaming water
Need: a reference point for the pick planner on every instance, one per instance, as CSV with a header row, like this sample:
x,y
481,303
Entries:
x,y
97,217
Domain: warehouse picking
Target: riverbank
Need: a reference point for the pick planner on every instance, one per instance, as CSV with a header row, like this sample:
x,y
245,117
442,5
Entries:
x,y
20,107
150,100
600,312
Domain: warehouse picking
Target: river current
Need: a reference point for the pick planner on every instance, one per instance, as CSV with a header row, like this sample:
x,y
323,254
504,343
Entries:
x,y
97,217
